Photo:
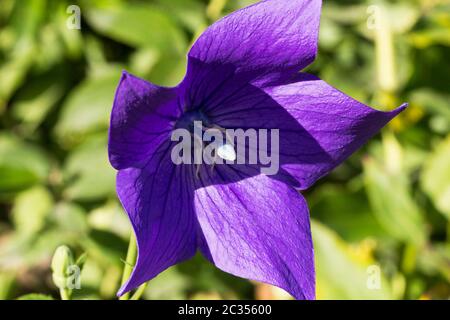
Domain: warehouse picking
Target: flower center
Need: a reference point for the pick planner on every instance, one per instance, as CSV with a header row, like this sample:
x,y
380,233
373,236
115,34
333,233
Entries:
x,y
188,119
204,133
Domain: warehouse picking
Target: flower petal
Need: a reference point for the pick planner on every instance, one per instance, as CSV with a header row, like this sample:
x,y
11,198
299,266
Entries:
x,y
337,122
158,201
270,36
259,229
319,126
140,121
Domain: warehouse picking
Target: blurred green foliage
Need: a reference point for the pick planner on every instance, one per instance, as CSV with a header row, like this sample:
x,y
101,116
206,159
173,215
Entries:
x,y
387,208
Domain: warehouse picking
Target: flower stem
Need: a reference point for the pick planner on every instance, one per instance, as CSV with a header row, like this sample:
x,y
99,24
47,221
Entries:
x,y
137,295
65,294
385,52
129,263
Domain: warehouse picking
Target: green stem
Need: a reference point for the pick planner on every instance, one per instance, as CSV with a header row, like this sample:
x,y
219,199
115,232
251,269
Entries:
x,y
215,8
385,52
137,295
65,295
129,263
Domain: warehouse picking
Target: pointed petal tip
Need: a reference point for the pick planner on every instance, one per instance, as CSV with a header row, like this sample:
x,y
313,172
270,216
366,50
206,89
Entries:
x,y
126,74
398,110
126,287
122,291
402,107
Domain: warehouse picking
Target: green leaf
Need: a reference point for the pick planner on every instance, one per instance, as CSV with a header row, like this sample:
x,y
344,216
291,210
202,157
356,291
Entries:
x,y
346,212
137,25
339,274
162,69
71,38
143,60
12,74
37,98
21,165
435,178
88,172
91,276
27,20
105,247
432,101
331,34
215,8
110,217
23,252
190,13
25,23
349,14
169,70
70,217
88,107
81,260
433,36
7,282
5,9
391,199
35,296
169,285
30,210
435,259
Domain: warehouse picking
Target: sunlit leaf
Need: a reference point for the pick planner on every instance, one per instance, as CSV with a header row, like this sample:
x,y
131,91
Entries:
x,y
435,260
30,210
110,217
435,177
70,218
390,196
87,171
432,36
190,13
137,25
88,108
22,251
21,164
37,98
432,101
25,22
171,285
105,247
348,213
341,276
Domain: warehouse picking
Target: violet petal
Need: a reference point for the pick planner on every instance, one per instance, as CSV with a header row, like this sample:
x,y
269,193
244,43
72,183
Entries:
x,y
269,36
258,229
158,201
140,121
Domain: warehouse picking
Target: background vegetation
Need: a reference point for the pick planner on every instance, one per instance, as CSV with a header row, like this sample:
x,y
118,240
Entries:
x,y
388,207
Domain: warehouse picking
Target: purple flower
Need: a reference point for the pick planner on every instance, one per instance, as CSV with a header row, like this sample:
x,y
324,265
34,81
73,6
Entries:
x,y
242,73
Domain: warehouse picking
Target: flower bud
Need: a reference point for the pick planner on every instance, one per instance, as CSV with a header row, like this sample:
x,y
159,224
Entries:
x,y
61,261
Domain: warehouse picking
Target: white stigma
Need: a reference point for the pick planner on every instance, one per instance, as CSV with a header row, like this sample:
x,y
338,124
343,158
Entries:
x,y
226,152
